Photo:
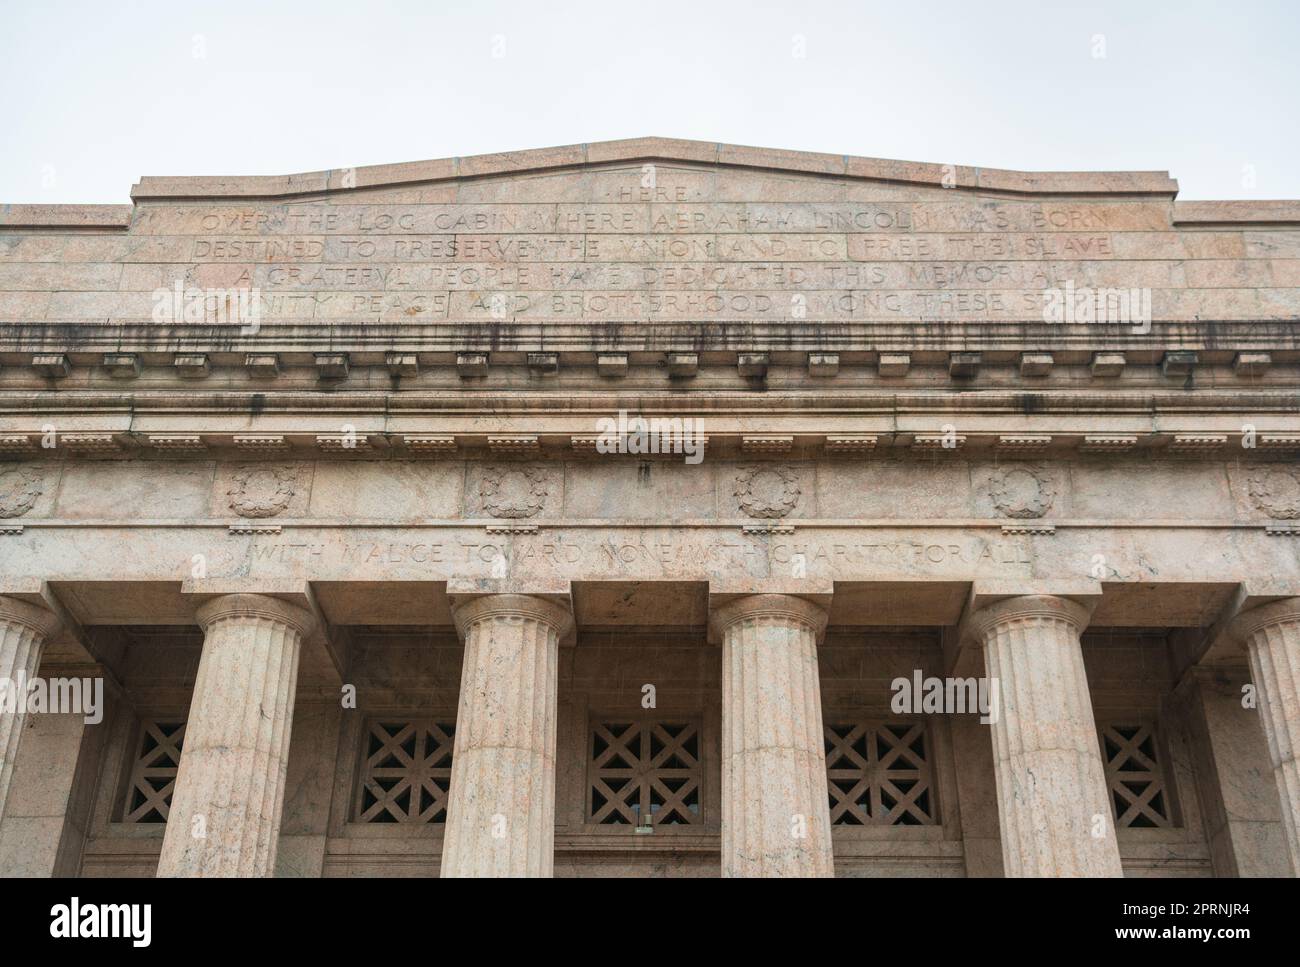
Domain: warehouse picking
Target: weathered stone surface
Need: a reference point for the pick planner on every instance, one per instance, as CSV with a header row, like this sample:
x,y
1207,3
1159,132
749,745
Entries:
x,y
372,399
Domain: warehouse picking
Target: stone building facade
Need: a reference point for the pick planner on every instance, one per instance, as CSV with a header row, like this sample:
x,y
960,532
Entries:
x,y
311,473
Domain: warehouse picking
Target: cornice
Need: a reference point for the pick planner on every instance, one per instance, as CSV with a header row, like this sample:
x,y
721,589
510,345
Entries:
x,y
331,182
634,335
600,402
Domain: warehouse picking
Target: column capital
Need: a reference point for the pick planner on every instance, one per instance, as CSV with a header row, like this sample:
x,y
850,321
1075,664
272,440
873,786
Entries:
x,y
256,606
786,607
1024,608
32,616
1262,616
466,612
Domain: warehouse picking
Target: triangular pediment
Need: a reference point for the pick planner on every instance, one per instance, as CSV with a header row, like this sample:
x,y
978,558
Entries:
x,y
554,168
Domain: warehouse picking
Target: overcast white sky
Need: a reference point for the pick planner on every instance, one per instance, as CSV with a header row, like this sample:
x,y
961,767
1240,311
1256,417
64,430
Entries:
x,y
95,94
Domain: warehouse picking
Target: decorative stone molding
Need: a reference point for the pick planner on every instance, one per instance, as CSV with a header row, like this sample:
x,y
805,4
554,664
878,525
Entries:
x,y
34,618
90,443
261,442
1023,442
938,441
513,492
850,443
343,443
19,489
16,443
514,443
262,491
1285,442
253,607
430,445
780,607
767,492
246,529
894,364
767,444
1022,492
511,528
177,442
1276,491
1197,442
1108,443
1040,529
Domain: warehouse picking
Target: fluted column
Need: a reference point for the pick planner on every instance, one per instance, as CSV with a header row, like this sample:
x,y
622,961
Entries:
x,y
1053,804
775,813
225,812
23,630
1271,633
501,808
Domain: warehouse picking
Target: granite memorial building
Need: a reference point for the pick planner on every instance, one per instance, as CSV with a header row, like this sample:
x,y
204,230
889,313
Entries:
x,y
948,525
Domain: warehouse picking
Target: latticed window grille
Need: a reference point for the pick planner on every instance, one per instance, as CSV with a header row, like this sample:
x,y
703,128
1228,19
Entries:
x,y
1138,789
153,772
879,774
644,773
406,772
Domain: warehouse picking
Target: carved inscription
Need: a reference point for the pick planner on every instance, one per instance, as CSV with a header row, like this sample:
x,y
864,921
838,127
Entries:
x,y
702,244
668,556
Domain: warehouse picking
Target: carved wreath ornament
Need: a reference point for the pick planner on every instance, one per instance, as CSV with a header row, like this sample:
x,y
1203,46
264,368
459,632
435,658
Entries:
x,y
1276,492
513,491
767,491
19,488
261,491
1022,492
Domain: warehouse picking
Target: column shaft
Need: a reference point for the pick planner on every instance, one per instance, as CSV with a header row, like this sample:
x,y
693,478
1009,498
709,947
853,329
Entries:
x,y
1053,803
775,811
501,810
225,813
23,630
1272,636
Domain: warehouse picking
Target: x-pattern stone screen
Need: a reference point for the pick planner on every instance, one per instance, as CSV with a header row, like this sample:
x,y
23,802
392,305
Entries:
x,y
1134,775
644,773
406,772
878,774
153,772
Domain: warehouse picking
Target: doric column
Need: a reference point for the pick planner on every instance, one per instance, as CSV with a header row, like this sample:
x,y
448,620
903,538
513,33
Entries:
x,y
501,810
225,812
1053,804
775,813
1272,636
23,630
